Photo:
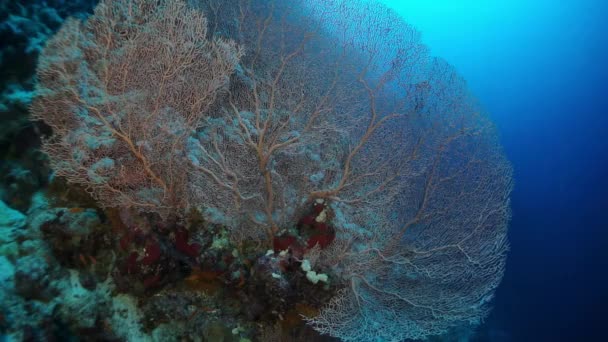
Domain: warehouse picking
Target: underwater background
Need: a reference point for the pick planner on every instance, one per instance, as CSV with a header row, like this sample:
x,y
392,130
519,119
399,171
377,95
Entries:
x,y
538,67
541,69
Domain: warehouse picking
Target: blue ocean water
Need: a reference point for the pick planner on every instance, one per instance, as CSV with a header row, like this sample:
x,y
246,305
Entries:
x,y
540,69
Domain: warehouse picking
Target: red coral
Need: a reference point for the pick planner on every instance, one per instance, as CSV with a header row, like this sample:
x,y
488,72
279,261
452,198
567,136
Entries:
x,y
321,227
132,266
125,242
152,253
194,249
298,251
182,245
307,220
281,243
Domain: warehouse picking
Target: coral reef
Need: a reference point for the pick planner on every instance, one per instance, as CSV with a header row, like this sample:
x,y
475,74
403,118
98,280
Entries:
x,y
66,269
241,171
24,28
40,298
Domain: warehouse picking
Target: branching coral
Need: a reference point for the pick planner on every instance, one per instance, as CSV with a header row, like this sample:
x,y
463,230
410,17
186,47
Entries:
x,y
320,128
122,92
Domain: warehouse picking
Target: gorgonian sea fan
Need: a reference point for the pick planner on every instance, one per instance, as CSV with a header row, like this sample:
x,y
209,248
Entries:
x,y
258,108
122,92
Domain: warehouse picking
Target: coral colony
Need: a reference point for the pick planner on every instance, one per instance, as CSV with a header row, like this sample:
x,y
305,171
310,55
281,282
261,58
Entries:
x,y
249,171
